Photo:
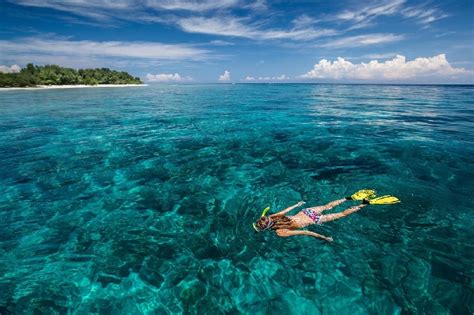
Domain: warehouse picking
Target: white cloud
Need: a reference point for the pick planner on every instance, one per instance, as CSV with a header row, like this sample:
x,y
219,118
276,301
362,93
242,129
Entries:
x,y
218,42
362,40
423,15
225,76
97,9
396,69
242,27
212,18
304,20
267,78
167,77
37,46
370,12
256,5
364,16
197,6
136,10
11,69
281,78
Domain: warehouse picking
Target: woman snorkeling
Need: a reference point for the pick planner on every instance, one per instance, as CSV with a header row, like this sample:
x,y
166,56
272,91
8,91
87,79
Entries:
x,y
285,226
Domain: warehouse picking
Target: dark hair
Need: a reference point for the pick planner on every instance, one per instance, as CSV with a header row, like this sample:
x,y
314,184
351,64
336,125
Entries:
x,y
262,222
280,219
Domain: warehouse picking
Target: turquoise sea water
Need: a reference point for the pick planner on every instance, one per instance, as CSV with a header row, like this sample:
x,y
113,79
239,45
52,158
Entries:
x,y
140,200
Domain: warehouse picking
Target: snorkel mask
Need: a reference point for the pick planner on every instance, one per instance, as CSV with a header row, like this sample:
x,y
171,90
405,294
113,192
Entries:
x,y
267,226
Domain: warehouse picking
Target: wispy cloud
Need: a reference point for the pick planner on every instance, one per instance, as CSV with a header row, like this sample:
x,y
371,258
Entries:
x,y
85,53
204,17
362,40
398,68
99,9
304,20
196,6
121,49
423,14
243,27
220,43
235,18
365,16
126,9
167,77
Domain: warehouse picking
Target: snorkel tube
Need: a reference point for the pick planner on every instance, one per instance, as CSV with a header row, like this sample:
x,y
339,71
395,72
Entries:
x,y
269,225
264,212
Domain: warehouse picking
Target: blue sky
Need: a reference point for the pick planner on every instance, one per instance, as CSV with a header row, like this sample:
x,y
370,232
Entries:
x,y
183,41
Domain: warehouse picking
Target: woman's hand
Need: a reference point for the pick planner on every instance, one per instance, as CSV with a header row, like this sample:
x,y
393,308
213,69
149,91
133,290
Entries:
x,y
283,212
287,232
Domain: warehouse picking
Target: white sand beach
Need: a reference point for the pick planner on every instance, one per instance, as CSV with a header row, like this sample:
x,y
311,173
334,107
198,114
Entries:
x,y
78,86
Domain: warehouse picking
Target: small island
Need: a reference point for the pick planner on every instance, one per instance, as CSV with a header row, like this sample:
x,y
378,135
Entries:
x,y
53,75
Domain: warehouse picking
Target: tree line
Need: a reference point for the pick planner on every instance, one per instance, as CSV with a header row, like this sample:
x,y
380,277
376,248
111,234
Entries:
x,y
32,75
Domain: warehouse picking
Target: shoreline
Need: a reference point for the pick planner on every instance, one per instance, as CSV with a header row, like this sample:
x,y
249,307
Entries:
x,y
77,86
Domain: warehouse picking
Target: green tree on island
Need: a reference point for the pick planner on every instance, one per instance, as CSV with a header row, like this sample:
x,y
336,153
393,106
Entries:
x,y
32,75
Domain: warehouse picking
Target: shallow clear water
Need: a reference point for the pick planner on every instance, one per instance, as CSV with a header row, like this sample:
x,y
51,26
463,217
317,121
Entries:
x,y
140,200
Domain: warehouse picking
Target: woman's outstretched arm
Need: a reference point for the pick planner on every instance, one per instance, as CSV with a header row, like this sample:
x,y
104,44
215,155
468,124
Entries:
x,y
287,209
286,233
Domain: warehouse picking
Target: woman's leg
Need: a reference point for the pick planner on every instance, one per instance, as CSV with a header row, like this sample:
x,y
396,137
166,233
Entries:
x,y
328,206
338,215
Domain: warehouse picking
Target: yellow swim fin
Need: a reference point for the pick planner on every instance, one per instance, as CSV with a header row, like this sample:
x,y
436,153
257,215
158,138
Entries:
x,y
362,194
383,200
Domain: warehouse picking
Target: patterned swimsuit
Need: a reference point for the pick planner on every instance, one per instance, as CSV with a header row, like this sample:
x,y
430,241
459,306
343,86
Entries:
x,y
313,215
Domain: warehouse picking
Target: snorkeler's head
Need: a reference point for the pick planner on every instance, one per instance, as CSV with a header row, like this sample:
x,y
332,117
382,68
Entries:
x,y
262,224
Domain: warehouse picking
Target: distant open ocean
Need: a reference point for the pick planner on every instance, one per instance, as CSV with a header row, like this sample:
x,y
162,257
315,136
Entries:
x,y
140,200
